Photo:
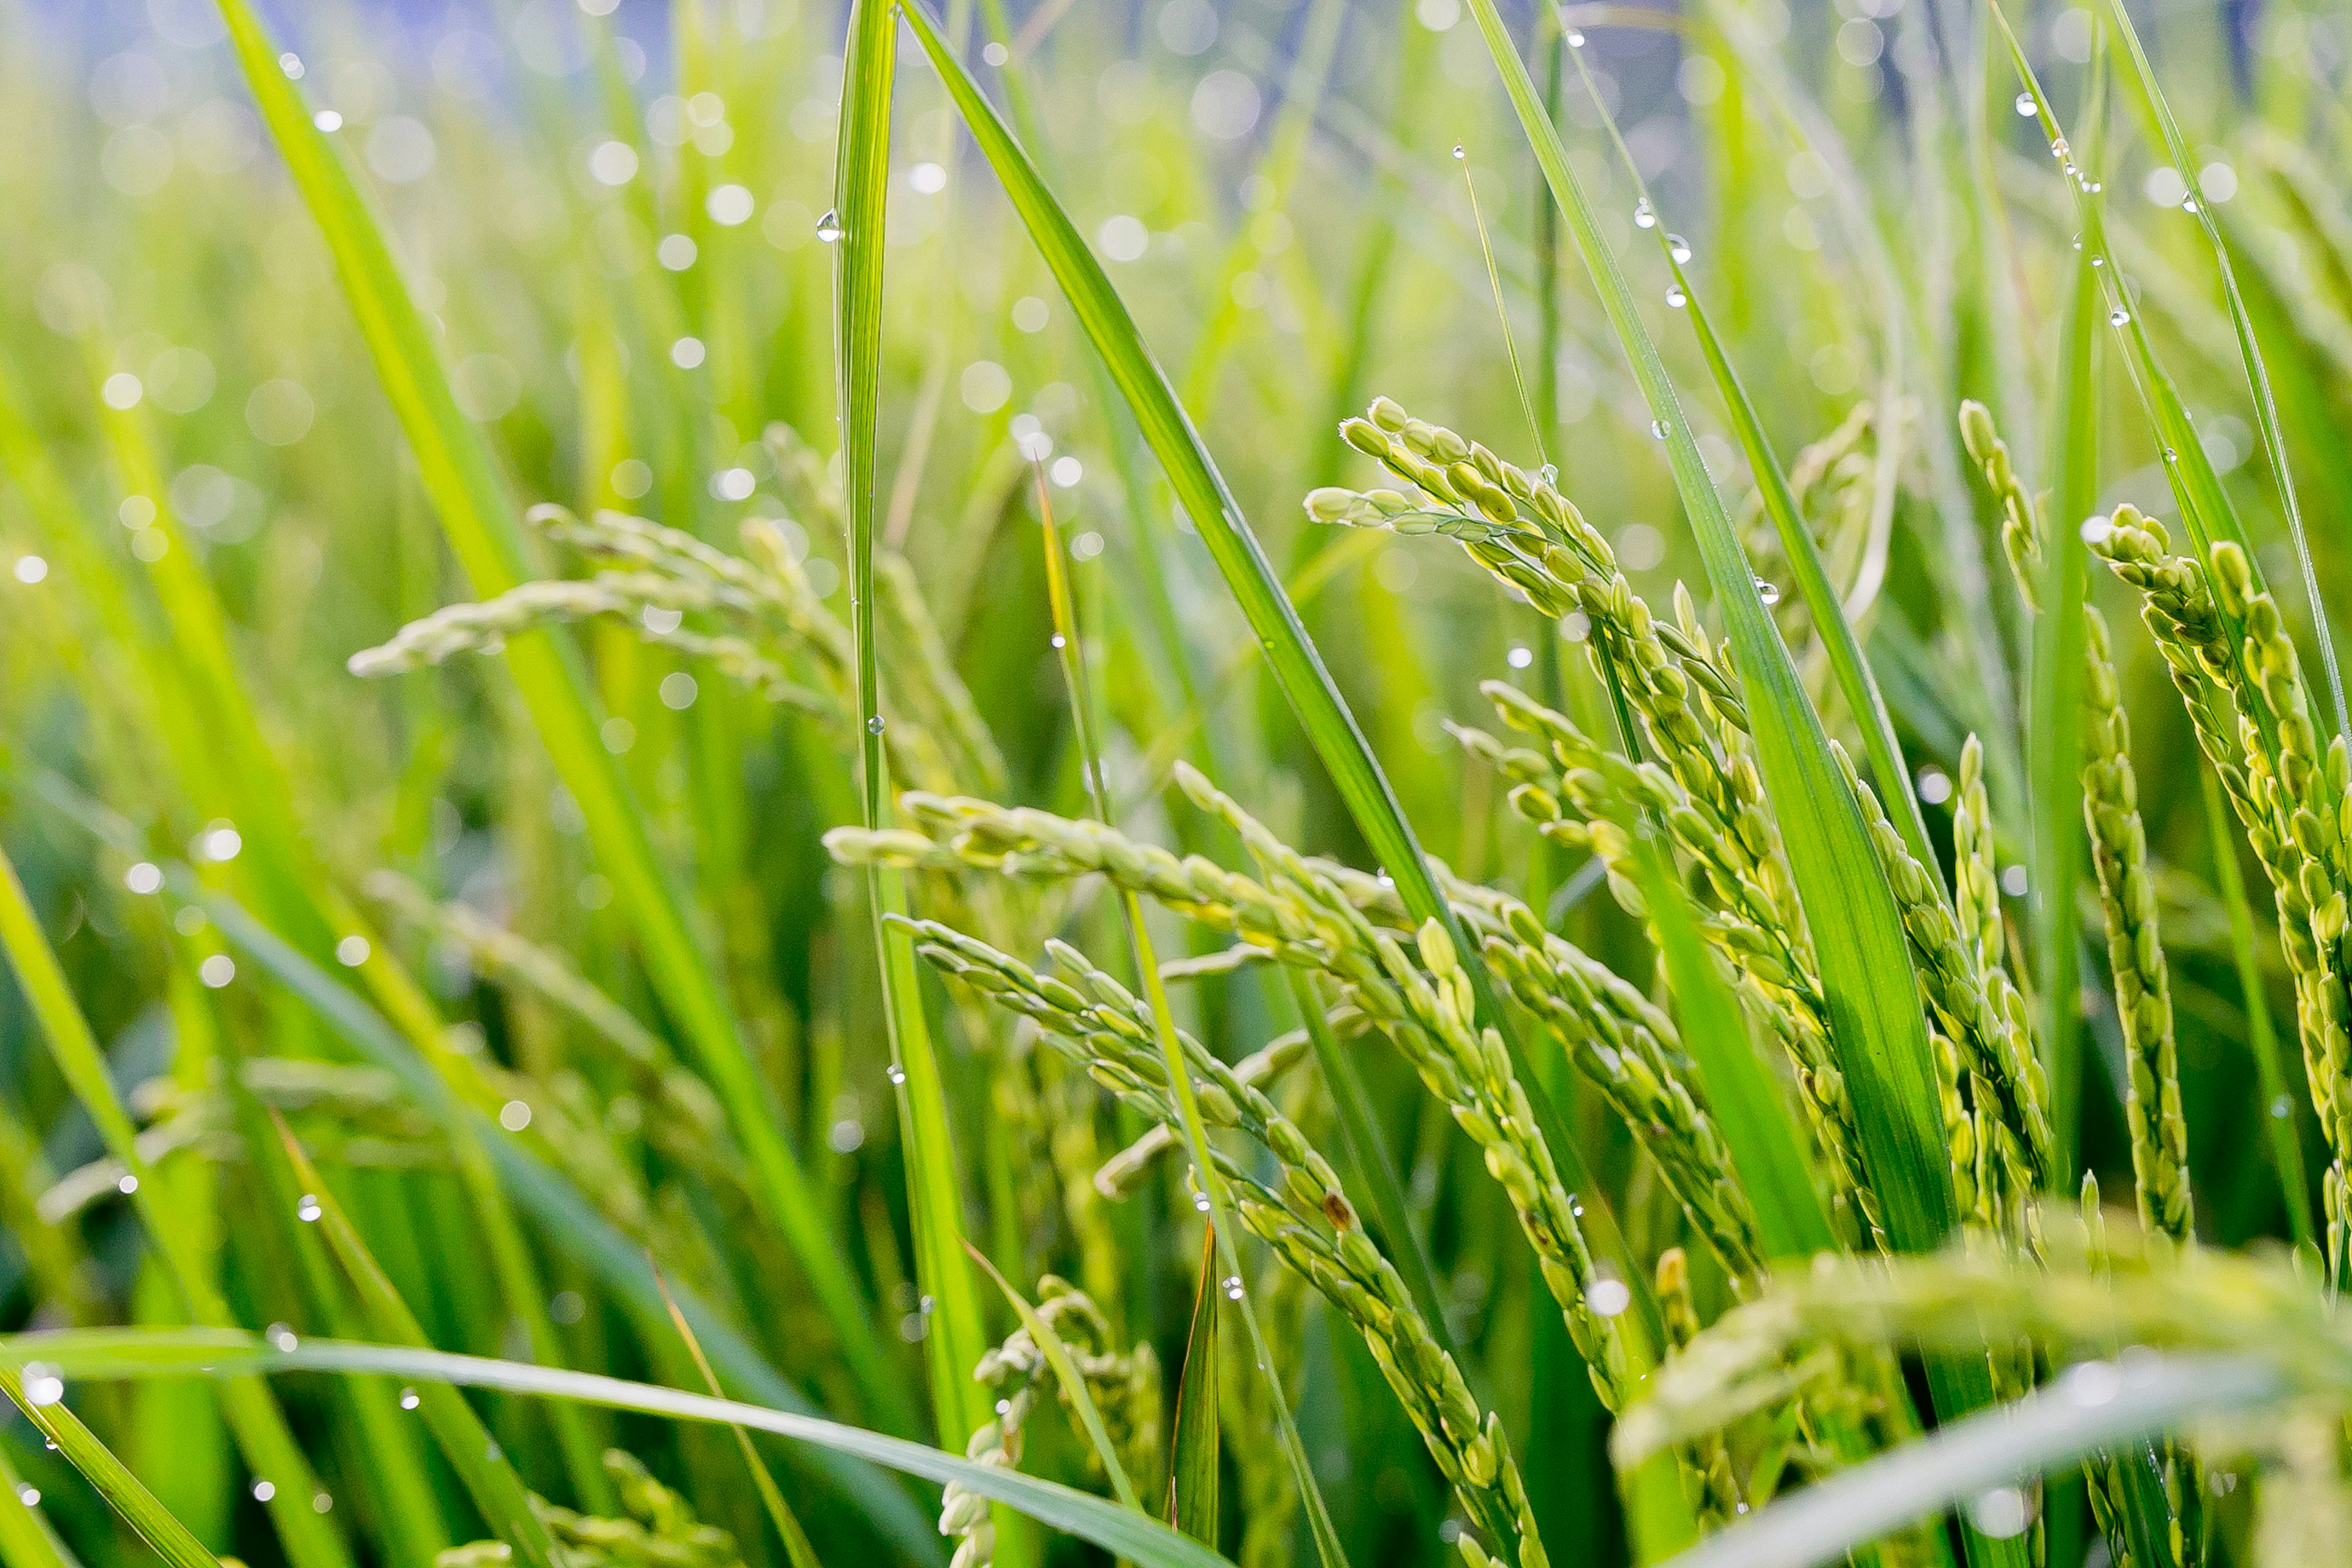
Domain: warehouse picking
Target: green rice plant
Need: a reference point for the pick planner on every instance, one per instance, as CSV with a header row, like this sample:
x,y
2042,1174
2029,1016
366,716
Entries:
x,y
532,670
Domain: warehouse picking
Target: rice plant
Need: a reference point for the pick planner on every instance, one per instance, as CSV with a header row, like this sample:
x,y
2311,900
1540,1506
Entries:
x,y
1244,783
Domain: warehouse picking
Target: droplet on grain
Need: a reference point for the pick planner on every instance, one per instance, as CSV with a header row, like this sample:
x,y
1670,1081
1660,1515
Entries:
x,y
1768,590
1459,153
1661,429
828,227
873,725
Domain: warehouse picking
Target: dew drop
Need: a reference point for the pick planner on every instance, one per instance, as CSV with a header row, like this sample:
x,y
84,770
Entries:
x,y
43,1383
1575,39
1643,218
1548,473
410,1399
1678,247
1200,1201
1459,153
2025,105
898,1074
828,227
280,1336
2189,203
1233,1291
28,1493
2058,149
2099,261
2118,316
1768,591
873,725
1059,642
2282,1107
2170,456
1676,297
1661,429
306,1211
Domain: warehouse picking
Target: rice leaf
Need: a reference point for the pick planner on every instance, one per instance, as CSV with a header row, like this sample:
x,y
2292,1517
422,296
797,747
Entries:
x,y
154,1523
1748,1106
861,185
1291,655
1829,620
118,1353
2262,1036
569,1221
464,1441
1192,1443
254,1417
26,1538
1072,1381
479,519
1874,1016
1993,1448
2258,380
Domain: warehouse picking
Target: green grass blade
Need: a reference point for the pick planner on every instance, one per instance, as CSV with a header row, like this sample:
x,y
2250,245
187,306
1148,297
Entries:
x,y
2038,1433
798,1551
1192,1439
568,1220
26,1538
154,1523
2261,1037
260,1428
1072,1381
2054,717
478,517
2258,380
1180,1079
464,1442
861,183
1290,653
1748,1106
133,1353
1875,1020
1829,620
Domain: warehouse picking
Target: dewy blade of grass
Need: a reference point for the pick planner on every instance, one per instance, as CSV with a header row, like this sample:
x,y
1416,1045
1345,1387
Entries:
x,y
1192,1439
2258,380
253,1415
1290,653
2261,1038
155,1524
478,517
1875,1020
1073,1383
464,1441
1221,1222
2038,1433
27,1540
1962,557
2055,716
798,1551
954,1339
1855,678
120,1354
569,1221
1766,1148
